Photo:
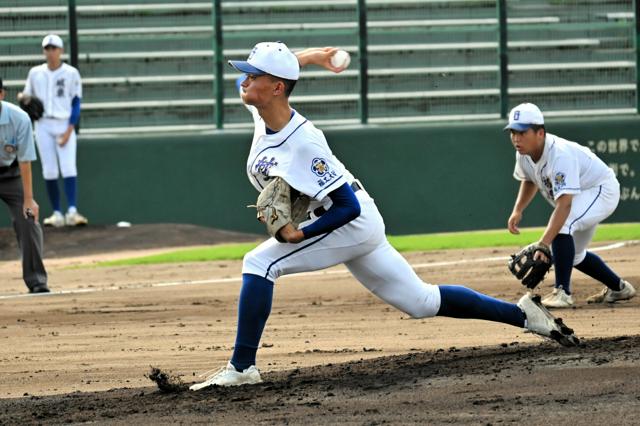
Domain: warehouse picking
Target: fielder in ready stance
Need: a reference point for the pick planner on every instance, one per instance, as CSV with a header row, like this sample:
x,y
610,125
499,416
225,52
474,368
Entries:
x,y
344,224
59,87
583,191
17,151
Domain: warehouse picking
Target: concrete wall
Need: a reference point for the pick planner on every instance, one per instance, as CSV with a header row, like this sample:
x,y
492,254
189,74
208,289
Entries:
x,y
430,178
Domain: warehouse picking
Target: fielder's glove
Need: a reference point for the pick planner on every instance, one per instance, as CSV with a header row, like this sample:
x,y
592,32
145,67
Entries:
x,y
529,271
279,204
32,106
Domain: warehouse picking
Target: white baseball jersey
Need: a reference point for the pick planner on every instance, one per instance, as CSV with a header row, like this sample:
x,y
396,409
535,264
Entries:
x,y
55,88
569,168
564,168
300,155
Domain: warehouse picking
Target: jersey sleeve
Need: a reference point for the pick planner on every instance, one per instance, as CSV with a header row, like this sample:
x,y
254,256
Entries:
x,y
76,85
254,113
518,171
28,85
26,151
565,176
314,170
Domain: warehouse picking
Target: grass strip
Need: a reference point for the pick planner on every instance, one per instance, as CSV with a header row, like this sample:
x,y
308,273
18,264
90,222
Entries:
x,y
402,243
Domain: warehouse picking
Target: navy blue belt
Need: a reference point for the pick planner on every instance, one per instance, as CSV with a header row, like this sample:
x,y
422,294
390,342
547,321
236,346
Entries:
x,y
355,186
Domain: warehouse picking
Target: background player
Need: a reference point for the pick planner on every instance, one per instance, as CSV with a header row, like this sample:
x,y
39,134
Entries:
x,y
344,226
583,191
17,151
59,87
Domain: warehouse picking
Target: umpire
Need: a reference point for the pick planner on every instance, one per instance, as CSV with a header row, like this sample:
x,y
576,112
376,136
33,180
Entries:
x,y
17,151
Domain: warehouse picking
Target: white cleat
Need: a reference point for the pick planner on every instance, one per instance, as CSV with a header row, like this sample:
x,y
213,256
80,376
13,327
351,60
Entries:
x,y
542,323
229,376
56,220
558,299
75,219
611,296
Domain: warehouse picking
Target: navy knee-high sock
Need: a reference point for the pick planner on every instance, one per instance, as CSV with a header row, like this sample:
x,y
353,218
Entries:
x,y
54,193
253,310
564,251
595,267
461,302
70,189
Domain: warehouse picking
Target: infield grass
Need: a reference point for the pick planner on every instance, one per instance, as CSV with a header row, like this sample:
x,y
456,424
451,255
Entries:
x,y
403,243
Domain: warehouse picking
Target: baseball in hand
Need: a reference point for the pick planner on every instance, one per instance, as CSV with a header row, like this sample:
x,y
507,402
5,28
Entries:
x,y
59,140
341,59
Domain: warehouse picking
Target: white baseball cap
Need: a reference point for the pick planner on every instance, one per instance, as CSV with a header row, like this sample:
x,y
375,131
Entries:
x,y
52,40
270,57
522,117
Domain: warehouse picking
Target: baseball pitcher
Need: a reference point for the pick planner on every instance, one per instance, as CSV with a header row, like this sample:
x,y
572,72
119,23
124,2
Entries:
x,y
289,157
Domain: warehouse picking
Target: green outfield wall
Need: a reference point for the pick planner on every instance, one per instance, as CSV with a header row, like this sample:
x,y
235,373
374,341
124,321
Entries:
x,y
429,178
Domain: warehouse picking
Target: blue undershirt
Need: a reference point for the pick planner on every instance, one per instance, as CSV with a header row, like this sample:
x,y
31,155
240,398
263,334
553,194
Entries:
x,y
344,209
75,111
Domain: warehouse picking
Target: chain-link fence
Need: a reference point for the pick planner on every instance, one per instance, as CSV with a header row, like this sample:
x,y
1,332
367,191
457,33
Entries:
x,y
151,65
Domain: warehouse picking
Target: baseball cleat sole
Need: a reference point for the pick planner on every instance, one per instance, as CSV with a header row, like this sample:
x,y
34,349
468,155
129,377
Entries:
x,y
565,335
541,322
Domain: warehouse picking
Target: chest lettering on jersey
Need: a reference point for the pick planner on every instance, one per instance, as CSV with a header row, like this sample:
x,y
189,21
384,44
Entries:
x,y
547,184
263,165
60,87
321,169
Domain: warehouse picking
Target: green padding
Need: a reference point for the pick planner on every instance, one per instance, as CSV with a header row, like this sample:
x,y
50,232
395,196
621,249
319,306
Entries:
x,y
430,178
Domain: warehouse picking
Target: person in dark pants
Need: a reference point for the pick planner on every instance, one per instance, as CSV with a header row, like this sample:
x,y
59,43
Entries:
x,y
17,151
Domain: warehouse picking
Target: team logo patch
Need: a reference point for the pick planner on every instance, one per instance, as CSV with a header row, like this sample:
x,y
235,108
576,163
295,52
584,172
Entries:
x,y
9,149
516,115
319,166
559,181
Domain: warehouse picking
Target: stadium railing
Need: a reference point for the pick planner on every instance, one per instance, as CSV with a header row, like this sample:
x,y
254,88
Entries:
x,y
150,66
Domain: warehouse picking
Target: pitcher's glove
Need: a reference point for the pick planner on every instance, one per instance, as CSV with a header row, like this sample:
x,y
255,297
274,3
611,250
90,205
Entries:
x,y
32,106
529,271
279,204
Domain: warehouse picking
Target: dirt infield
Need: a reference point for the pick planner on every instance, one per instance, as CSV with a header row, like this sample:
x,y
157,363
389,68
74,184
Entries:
x,y
536,384
331,351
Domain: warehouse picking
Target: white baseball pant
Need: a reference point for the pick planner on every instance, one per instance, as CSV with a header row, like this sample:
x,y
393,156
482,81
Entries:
x,y
56,159
363,247
588,209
